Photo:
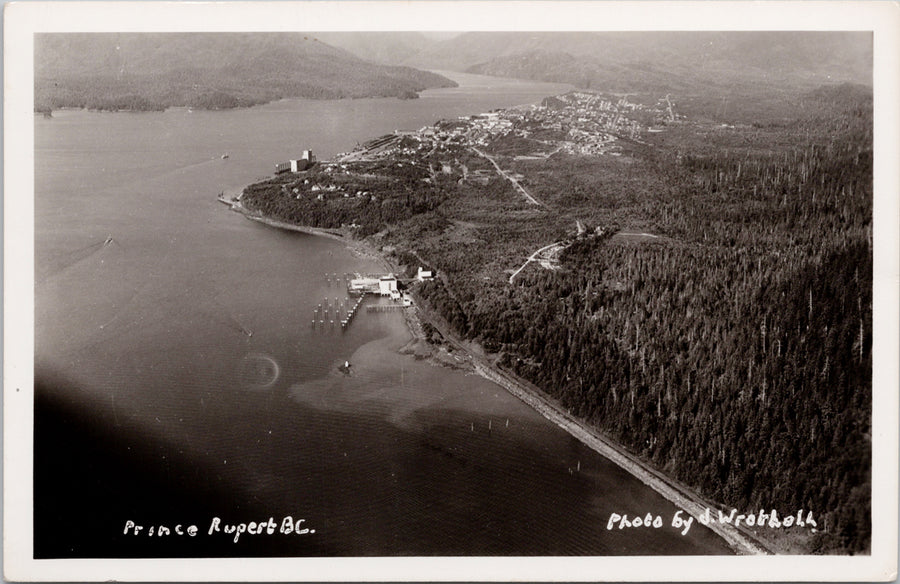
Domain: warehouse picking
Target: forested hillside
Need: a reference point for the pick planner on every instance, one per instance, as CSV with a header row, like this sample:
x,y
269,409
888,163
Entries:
x,y
658,61
718,64
146,71
734,351
391,48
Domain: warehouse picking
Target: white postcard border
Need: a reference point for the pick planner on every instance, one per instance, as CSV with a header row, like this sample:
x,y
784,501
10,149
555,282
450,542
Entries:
x,y
25,18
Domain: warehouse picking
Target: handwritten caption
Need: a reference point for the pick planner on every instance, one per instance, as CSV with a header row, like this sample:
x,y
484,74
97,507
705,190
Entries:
x,y
287,526
682,520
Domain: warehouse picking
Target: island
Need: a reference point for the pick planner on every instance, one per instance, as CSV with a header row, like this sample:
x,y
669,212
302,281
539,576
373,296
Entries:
x,y
689,294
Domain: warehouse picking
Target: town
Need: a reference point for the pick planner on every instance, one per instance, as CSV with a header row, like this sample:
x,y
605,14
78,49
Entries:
x,y
391,177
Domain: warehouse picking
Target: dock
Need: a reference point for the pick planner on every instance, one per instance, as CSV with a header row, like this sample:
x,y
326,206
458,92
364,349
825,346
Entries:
x,y
337,312
334,312
346,322
385,307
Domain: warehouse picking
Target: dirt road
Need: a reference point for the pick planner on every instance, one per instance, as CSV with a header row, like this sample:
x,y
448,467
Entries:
x,y
515,183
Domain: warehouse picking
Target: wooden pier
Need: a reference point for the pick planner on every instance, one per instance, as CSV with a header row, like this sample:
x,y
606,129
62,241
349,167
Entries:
x,y
384,307
341,311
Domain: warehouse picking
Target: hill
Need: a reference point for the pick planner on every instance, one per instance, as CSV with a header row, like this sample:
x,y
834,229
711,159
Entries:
x,y
389,48
660,61
141,71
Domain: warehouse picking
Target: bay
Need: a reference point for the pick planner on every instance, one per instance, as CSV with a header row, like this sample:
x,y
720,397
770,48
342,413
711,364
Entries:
x,y
178,377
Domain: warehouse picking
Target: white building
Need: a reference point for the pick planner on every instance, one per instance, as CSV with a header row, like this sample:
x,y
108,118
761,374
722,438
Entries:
x,y
387,285
424,275
363,285
381,285
296,165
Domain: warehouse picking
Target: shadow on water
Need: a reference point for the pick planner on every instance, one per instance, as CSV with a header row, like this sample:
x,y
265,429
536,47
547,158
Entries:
x,y
441,487
96,467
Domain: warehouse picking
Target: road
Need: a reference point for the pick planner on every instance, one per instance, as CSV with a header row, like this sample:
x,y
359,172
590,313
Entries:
x,y
515,183
532,258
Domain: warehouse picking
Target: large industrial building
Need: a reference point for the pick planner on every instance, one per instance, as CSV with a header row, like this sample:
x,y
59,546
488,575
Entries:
x,y
306,160
382,285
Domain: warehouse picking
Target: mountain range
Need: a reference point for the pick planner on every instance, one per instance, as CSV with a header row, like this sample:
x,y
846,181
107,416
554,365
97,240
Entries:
x,y
215,70
635,61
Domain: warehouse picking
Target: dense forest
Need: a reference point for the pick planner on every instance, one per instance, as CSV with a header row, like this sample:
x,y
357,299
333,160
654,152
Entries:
x,y
731,347
153,71
737,354
393,195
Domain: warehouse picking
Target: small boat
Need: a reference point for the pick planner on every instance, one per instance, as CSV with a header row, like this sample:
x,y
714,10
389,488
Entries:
x,y
224,156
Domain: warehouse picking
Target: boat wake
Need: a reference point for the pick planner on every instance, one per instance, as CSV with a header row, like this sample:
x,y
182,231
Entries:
x,y
72,258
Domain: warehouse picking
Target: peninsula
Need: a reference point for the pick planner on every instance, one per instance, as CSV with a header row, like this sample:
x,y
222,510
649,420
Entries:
x,y
155,71
690,295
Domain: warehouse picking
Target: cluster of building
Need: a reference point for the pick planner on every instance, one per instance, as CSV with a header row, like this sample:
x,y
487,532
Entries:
x,y
383,284
592,122
587,143
579,122
484,128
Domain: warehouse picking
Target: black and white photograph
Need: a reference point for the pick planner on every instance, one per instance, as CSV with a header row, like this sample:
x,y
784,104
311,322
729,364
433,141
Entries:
x,y
482,289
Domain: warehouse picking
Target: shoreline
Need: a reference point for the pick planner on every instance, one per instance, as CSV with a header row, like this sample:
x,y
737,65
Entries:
x,y
356,246
675,493
680,495
418,346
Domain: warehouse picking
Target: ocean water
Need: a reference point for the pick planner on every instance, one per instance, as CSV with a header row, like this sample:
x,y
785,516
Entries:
x,y
179,379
